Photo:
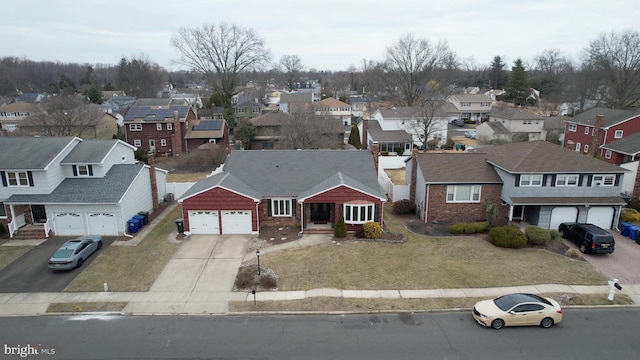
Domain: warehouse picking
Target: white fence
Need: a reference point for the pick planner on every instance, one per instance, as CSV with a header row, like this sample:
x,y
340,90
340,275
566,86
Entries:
x,y
394,192
178,189
629,179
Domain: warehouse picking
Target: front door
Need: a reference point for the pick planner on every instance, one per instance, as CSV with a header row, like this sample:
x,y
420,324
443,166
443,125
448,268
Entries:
x,y
152,145
320,212
518,212
38,213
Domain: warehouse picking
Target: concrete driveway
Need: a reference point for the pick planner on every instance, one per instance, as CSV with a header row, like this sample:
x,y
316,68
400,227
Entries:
x,y
623,264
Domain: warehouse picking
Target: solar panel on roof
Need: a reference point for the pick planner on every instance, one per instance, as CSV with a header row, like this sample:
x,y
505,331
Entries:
x,y
208,125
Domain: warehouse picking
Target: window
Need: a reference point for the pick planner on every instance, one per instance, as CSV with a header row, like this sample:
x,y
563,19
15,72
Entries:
x,y
212,141
586,130
463,193
573,127
603,180
281,207
83,170
3,212
586,148
137,143
567,180
135,127
159,126
17,179
578,146
485,104
169,126
530,180
163,142
358,213
607,154
466,104
527,122
618,134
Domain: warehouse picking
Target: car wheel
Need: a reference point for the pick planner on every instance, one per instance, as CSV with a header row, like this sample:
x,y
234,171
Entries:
x,y
546,323
99,244
583,248
497,324
80,261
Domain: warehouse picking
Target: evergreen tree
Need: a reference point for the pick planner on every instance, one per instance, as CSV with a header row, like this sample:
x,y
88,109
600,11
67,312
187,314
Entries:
x,y
497,76
518,86
354,137
340,230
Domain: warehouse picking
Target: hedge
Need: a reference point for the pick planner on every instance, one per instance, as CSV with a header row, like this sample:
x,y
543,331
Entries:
x,y
537,235
469,228
507,237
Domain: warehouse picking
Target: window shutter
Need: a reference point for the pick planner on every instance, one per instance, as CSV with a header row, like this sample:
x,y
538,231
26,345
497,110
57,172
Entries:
x,y
268,207
75,170
617,180
293,207
30,177
589,179
579,180
4,178
90,170
544,181
553,180
376,209
517,180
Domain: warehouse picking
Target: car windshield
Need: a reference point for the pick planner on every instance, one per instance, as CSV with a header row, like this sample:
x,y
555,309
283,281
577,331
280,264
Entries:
x,y
63,254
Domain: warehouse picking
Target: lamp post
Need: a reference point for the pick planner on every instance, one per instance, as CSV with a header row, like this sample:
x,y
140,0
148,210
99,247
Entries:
x,y
258,256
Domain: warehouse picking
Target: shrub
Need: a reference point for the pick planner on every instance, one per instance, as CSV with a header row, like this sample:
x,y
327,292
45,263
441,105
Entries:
x,y
499,222
573,253
359,233
244,279
555,234
492,211
537,235
405,206
469,228
268,282
629,215
399,150
372,230
507,237
384,153
340,230
456,229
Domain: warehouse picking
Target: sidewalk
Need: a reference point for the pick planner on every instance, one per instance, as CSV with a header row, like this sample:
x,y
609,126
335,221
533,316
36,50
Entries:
x,y
199,280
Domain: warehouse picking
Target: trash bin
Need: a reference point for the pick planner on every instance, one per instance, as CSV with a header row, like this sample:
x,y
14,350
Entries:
x,y
145,217
134,225
633,233
624,228
180,225
140,218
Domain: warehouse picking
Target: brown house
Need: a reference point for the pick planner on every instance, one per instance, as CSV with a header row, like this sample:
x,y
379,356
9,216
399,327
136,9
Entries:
x,y
92,124
268,131
206,131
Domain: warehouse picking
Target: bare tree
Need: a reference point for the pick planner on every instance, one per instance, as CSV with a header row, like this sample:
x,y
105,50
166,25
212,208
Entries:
x,y
617,57
410,64
140,77
290,68
550,73
221,52
303,129
64,116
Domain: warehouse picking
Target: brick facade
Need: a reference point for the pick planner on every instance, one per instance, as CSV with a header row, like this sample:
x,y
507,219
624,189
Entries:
x,y
441,211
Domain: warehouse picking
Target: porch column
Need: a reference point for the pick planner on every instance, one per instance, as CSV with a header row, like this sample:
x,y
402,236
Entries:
x,y
301,217
510,212
13,219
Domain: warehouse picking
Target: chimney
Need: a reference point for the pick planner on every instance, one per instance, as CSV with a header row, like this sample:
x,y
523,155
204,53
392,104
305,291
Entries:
x,y
414,170
151,158
177,134
365,129
376,153
596,140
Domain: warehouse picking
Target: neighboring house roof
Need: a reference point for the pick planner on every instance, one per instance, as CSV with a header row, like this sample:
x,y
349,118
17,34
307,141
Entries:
x,y
452,168
554,123
472,97
401,112
611,116
93,190
515,114
496,127
275,118
92,151
155,113
31,153
206,128
629,145
248,104
333,102
379,135
296,98
544,157
22,106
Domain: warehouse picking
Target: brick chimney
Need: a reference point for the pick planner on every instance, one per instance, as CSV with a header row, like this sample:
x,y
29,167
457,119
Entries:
x,y
177,134
414,170
375,149
151,158
365,129
596,140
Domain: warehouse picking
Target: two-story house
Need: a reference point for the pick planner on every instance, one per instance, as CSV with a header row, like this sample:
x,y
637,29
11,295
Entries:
x,y
303,189
272,131
68,186
470,107
12,115
206,131
159,125
512,124
288,102
536,182
601,131
87,123
335,108
247,110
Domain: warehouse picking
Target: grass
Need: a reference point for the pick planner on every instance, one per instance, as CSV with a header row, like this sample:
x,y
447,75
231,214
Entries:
x,y
9,254
396,175
86,307
177,176
130,268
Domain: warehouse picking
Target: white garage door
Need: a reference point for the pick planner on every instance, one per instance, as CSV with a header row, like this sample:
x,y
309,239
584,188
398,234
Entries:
x,y
563,214
601,216
68,224
236,222
102,224
204,222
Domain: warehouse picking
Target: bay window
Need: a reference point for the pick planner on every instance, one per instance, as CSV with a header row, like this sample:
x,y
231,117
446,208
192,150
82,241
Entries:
x,y
359,213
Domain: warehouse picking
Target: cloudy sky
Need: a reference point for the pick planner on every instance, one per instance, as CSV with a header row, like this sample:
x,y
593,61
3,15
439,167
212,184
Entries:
x,y
325,34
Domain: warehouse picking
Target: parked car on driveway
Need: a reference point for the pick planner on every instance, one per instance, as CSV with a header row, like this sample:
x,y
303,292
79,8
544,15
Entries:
x,y
74,252
457,122
470,134
588,237
517,310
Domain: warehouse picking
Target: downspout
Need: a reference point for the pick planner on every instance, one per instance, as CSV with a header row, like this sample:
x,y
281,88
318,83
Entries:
x,y
257,216
301,218
426,203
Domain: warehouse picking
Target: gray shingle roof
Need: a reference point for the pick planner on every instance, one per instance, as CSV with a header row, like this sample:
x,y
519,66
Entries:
x,y
30,153
379,135
90,152
629,145
107,190
515,114
611,116
452,168
335,181
225,180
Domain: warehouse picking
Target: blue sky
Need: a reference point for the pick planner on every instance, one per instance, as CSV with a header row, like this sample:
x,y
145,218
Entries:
x,y
326,35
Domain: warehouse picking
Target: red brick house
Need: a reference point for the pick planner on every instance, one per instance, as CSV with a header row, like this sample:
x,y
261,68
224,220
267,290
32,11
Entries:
x,y
206,131
602,132
304,189
159,125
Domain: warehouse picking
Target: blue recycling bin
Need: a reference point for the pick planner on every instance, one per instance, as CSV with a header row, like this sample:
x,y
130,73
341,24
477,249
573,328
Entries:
x,y
633,232
140,218
624,228
134,225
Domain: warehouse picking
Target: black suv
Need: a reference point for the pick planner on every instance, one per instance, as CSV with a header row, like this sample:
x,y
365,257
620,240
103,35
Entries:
x,y
588,237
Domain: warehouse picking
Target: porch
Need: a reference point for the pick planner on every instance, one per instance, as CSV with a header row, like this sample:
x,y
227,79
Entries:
x,y
28,222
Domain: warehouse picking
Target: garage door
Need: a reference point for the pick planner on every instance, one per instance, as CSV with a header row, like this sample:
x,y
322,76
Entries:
x,y
102,224
563,214
601,216
204,222
236,222
68,224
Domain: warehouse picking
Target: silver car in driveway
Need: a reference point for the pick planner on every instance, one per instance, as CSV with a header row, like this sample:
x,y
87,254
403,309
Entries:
x,y
74,252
